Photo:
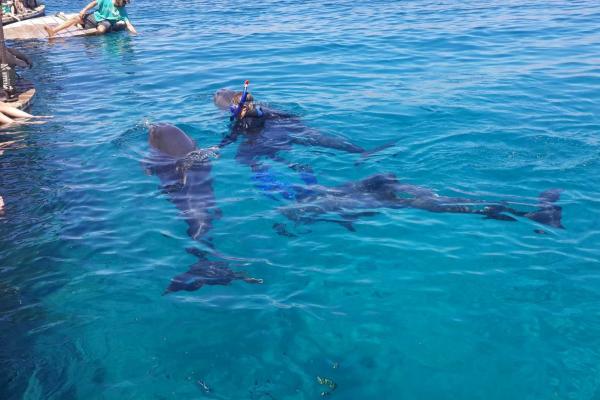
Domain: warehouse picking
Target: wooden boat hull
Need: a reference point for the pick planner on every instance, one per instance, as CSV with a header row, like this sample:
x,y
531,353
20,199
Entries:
x,y
26,93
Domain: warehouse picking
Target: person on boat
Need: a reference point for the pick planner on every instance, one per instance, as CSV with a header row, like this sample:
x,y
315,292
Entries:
x,y
21,7
17,7
9,8
110,16
30,4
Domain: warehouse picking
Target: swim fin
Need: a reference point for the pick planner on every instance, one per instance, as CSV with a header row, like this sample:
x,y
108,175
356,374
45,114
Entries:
x,y
549,213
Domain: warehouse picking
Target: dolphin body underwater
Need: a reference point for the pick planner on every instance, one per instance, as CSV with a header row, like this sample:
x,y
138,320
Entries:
x,y
184,171
359,199
275,132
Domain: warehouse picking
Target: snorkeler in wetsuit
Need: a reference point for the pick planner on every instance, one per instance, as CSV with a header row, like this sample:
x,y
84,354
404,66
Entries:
x,y
264,139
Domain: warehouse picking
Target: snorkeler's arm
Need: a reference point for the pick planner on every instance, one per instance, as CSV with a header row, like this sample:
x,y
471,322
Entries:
x,y
88,8
231,138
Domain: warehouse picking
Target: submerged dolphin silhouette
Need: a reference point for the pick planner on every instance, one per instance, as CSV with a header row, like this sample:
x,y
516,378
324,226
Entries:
x,y
184,171
206,272
357,199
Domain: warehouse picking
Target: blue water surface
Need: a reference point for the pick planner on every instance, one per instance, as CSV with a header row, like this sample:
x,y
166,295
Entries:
x,y
486,99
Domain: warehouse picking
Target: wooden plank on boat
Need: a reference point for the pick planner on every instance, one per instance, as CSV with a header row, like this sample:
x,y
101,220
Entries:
x,y
26,92
34,28
36,12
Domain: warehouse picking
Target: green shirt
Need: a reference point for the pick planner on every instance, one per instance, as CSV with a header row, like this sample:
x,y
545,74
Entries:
x,y
108,12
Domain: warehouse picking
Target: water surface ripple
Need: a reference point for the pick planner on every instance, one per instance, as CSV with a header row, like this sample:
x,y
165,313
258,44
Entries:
x,y
487,99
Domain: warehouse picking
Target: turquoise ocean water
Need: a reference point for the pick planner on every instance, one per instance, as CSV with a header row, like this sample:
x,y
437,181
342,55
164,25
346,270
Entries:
x,y
488,99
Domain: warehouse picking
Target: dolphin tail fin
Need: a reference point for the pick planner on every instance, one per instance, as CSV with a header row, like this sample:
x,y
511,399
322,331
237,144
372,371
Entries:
x,y
548,213
549,196
365,155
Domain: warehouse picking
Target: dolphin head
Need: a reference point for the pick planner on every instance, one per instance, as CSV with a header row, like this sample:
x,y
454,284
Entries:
x,y
223,98
170,140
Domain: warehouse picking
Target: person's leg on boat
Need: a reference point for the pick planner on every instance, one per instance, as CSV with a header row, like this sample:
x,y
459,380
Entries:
x,y
78,20
4,120
81,19
103,27
119,26
13,112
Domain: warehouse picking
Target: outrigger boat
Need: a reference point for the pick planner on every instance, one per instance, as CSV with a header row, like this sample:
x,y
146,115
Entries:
x,y
29,14
34,28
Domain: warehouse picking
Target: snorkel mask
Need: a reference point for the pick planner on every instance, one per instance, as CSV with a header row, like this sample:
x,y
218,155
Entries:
x,y
235,110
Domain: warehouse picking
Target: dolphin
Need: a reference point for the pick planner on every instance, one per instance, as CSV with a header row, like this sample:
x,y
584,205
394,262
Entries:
x,y
206,272
361,198
184,171
185,175
275,132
